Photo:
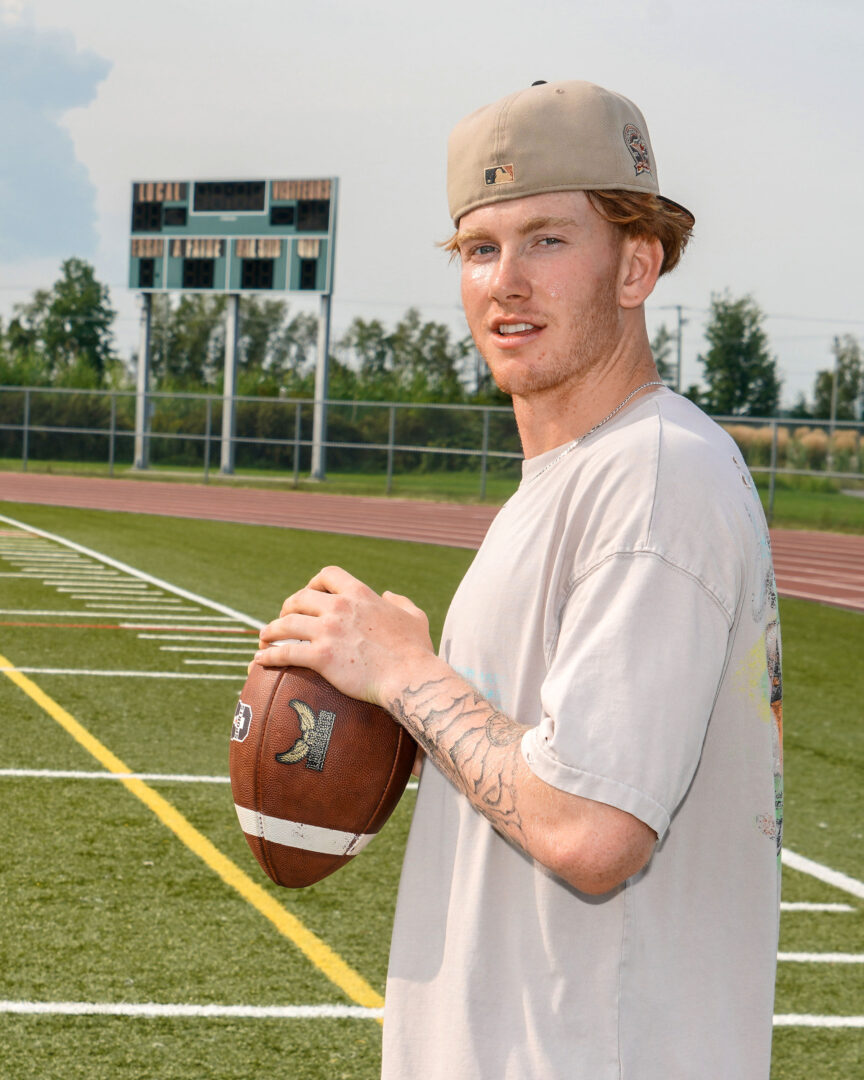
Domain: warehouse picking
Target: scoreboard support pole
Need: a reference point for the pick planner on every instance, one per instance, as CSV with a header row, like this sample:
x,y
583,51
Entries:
x,y
229,386
319,413
142,410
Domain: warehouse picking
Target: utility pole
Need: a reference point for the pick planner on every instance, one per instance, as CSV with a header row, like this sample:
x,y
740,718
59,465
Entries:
x,y
679,341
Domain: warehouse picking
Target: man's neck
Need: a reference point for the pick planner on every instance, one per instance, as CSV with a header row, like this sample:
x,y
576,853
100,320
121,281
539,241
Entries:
x,y
557,416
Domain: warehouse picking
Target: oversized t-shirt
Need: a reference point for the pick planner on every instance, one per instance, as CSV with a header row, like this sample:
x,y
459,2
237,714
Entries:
x,y
622,605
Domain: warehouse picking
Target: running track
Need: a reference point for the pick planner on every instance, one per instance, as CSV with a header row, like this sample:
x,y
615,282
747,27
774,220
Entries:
x,y
826,567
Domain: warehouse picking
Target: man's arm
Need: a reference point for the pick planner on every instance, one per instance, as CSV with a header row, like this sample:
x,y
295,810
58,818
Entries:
x,y
378,649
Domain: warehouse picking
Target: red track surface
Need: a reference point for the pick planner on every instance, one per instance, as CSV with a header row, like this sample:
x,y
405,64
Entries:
x,y
827,567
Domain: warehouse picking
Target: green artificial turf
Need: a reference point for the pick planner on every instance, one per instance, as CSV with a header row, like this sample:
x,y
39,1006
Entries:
x,y
102,903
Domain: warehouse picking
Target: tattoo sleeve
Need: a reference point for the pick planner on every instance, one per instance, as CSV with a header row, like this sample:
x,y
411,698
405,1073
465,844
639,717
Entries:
x,y
474,745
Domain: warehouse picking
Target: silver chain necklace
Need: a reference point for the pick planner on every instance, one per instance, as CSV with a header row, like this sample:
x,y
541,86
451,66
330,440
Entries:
x,y
572,446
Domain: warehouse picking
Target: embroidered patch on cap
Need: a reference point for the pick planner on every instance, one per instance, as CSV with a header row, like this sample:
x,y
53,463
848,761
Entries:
x,y
499,174
638,148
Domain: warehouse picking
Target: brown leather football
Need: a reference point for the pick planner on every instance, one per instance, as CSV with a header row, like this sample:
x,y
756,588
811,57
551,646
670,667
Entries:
x,y
314,774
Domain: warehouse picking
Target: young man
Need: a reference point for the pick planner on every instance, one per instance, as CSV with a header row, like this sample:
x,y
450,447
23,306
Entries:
x,y
591,885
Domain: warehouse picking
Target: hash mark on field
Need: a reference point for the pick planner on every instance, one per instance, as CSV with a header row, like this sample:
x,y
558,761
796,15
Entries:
x,y
191,637
115,564
212,649
221,663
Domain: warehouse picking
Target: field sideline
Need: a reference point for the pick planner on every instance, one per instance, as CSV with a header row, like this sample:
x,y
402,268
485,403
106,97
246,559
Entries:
x,y
123,661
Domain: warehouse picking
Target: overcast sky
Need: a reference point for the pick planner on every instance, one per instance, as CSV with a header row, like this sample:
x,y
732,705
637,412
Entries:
x,y
754,111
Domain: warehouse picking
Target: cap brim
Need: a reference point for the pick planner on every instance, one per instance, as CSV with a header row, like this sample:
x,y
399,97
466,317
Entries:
x,y
678,206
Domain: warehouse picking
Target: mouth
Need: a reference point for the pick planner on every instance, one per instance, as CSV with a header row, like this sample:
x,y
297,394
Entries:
x,y
514,331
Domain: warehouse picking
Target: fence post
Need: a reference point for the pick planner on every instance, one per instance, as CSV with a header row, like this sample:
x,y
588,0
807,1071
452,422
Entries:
x,y
391,440
112,437
297,419
772,477
208,429
25,435
483,456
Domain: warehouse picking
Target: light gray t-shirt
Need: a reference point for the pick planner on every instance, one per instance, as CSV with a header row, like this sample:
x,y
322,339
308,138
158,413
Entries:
x,y
623,605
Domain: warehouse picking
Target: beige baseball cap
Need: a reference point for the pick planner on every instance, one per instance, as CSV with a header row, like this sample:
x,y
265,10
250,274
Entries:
x,y
553,136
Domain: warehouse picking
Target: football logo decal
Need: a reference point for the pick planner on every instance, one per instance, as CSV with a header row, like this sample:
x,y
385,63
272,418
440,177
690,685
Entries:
x,y
315,732
242,722
638,148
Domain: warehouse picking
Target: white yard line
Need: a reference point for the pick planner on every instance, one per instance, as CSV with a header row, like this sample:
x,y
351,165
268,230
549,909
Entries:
x,y
150,1010
120,615
68,774
823,873
843,909
118,674
181,778
820,958
801,1020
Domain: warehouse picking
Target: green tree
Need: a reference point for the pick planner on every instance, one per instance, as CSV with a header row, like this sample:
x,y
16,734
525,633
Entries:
x,y
187,340
849,371
662,344
187,343
64,335
417,361
740,372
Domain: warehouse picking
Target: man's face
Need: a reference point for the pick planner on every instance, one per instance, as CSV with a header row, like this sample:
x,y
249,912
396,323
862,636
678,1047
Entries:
x,y
540,285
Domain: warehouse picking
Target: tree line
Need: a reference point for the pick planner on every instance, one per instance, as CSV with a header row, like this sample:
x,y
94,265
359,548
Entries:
x,y
63,337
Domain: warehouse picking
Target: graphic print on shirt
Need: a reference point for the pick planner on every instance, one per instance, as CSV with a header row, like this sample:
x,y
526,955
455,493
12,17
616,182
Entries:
x,y
769,649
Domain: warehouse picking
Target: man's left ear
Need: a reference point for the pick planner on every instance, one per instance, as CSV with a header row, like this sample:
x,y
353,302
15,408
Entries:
x,y
642,259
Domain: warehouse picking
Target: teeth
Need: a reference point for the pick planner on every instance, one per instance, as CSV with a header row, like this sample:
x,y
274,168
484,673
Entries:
x,y
515,328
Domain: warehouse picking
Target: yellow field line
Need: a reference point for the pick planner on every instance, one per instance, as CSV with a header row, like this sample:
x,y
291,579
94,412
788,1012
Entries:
x,y
321,955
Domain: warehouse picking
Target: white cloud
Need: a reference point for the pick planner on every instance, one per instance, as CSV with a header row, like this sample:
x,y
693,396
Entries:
x,y
47,201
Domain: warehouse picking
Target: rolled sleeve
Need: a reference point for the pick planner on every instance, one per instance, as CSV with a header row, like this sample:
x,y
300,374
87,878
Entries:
x,y
631,681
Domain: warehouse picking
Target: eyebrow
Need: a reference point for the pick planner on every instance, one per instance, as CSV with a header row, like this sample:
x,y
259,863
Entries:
x,y
535,224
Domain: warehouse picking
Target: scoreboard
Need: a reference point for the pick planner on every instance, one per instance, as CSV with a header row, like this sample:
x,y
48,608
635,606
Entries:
x,y
233,236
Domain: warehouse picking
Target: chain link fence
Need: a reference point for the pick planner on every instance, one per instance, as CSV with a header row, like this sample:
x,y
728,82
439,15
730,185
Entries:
x,y
384,438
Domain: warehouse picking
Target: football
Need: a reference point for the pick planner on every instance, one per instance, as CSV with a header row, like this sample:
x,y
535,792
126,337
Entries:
x,y
314,774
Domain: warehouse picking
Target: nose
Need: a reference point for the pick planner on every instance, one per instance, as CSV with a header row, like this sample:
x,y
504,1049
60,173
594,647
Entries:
x,y
509,280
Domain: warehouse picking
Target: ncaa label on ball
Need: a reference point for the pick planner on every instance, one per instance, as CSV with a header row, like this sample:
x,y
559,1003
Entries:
x,y
242,722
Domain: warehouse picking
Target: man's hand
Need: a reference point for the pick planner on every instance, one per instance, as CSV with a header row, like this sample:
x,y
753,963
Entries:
x,y
378,649
346,632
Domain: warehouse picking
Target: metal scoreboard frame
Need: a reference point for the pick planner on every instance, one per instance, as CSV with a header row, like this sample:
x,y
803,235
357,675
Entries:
x,y
233,237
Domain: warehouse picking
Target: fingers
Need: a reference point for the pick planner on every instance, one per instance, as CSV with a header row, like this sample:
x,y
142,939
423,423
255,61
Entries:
x,y
287,628
333,579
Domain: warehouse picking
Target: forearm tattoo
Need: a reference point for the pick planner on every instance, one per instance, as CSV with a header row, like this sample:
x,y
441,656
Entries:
x,y
472,744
